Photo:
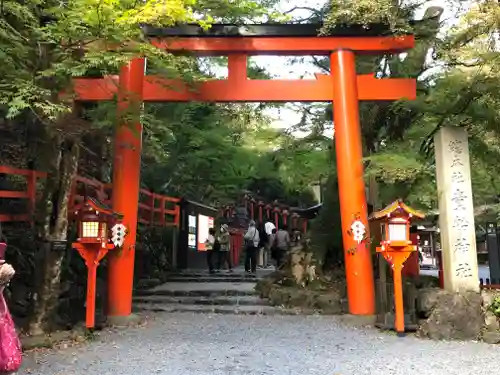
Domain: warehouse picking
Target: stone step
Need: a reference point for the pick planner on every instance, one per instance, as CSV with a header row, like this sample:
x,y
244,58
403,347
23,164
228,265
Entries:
x,y
211,289
223,275
212,279
147,283
218,300
197,293
245,310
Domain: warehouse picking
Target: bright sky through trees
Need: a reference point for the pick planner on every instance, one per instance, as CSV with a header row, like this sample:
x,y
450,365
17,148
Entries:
x,y
281,67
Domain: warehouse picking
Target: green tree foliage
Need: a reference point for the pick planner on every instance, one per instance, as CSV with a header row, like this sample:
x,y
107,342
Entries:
x,y
456,68
205,150
457,89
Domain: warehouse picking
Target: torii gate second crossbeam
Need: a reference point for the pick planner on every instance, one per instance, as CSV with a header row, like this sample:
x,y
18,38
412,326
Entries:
x,y
343,87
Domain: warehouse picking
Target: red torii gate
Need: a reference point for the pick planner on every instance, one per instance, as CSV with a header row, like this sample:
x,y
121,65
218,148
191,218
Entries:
x,y
343,87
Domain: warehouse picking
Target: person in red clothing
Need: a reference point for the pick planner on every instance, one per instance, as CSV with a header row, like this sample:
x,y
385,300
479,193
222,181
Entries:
x,y
10,346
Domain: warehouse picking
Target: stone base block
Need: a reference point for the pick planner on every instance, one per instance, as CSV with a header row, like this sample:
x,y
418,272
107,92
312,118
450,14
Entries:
x,y
360,321
123,321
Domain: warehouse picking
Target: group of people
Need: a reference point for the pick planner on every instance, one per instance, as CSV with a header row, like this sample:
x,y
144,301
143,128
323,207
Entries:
x,y
262,244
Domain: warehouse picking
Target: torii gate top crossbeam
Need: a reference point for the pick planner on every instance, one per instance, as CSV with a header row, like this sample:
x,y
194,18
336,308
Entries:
x,y
276,39
239,42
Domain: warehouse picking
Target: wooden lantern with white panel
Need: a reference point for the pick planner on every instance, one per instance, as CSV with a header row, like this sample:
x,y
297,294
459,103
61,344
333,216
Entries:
x,y
395,221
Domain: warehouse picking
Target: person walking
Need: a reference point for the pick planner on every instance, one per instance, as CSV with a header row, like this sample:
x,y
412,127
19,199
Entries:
x,y
269,226
262,255
273,250
225,248
210,245
252,240
282,245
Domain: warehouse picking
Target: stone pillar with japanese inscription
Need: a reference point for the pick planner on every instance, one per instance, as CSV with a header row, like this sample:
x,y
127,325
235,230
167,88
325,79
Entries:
x,y
456,210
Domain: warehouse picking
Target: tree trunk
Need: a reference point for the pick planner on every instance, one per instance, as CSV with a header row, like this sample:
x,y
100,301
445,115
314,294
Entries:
x,y
53,226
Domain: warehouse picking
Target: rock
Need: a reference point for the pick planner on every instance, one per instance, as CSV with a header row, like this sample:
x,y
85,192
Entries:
x,y
289,297
427,299
451,316
491,337
329,303
300,265
427,281
491,322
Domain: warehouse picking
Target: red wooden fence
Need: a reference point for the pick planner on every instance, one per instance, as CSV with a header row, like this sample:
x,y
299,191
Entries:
x,y
154,209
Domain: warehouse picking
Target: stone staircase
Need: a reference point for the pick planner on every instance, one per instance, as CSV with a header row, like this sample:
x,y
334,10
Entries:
x,y
201,292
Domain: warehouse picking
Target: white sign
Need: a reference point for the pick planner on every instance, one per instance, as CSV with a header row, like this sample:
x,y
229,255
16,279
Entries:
x,y
358,231
204,224
118,233
192,240
192,221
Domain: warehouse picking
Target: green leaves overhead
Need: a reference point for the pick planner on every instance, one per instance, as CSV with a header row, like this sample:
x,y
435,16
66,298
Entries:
x,y
459,89
45,44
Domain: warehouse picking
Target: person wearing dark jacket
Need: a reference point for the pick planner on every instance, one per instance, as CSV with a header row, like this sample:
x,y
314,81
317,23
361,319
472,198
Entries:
x,y
282,243
262,255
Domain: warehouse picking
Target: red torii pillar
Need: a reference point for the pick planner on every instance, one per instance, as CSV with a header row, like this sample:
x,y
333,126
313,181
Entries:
x,y
260,204
268,212
252,209
125,194
276,216
358,265
295,218
284,214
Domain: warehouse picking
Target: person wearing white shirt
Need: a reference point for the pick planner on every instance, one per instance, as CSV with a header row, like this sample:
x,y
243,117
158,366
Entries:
x,y
209,247
269,226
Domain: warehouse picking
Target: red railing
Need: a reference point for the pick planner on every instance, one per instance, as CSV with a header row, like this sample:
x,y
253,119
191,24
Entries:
x,y
154,209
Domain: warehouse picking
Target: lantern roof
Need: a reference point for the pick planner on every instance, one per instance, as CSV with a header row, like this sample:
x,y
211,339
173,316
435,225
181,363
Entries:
x,y
397,206
101,207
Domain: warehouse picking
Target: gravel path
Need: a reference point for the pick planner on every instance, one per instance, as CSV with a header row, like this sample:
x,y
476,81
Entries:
x,y
186,344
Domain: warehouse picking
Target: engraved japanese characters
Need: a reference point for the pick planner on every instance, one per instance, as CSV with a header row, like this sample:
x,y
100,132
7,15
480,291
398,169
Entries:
x,y
456,210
